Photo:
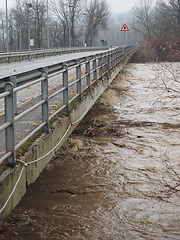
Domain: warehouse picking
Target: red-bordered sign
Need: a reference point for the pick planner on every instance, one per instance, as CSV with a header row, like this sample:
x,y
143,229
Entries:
x,y
124,28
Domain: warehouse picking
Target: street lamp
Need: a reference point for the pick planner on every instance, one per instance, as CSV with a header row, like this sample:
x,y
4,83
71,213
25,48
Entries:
x,y
3,35
29,5
84,27
70,7
7,31
93,29
83,35
47,25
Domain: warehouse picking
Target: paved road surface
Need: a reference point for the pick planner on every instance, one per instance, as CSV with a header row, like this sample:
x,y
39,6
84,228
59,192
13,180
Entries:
x,y
10,69
31,95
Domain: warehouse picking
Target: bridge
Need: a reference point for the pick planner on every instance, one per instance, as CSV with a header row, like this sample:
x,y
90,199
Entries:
x,y
62,90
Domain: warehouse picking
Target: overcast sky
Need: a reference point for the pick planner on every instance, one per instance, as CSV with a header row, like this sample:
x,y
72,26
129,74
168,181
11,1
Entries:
x,y
115,5
121,5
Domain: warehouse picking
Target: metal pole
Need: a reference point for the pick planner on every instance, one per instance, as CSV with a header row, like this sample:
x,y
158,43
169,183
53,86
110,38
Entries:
x,y
65,84
88,73
69,29
84,28
12,80
20,40
69,35
78,77
3,35
44,96
93,25
70,7
47,25
7,31
9,117
29,5
83,35
95,70
100,66
28,29
92,34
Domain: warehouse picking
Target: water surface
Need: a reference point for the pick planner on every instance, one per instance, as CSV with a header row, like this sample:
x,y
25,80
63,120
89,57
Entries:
x,y
118,176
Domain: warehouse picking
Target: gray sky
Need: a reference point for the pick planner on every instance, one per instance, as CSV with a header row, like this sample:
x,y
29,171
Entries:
x,y
121,5
115,5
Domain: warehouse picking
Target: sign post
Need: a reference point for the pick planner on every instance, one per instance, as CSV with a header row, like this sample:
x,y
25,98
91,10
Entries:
x,y
124,29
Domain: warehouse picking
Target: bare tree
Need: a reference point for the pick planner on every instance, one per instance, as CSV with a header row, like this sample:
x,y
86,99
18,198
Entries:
x,y
175,9
144,15
37,16
20,24
2,28
97,14
39,23
69,14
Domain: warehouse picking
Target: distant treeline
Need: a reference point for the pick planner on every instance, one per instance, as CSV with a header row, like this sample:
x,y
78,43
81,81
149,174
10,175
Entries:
x,y
158,50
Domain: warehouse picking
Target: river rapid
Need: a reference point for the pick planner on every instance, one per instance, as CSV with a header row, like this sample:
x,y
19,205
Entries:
x,y
118,176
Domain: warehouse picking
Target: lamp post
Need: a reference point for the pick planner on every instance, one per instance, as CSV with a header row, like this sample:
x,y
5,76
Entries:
x,y
3,35
93,30
84,27
83,35
70,7
47,25
7,31
29,5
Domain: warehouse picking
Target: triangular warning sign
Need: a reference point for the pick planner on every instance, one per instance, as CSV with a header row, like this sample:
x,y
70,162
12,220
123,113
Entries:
x,y
124,28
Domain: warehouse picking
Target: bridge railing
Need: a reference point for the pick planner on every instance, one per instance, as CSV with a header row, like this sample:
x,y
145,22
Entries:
x,y
20,55
88,71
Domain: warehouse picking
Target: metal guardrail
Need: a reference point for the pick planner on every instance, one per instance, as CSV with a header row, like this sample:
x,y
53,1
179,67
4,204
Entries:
x,y
96,68
19,56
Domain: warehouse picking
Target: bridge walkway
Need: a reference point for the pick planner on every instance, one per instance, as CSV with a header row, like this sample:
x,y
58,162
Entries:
x,y
31,96
10,69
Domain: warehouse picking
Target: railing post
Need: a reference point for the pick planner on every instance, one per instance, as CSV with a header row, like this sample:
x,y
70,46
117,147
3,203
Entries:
x,y
29,56
95,70
120,54
20,58
112,57
9,59
9,117
123,53
100,66
65,84
44,96
117,57
12,79
109,62
88,73
105,64
78,77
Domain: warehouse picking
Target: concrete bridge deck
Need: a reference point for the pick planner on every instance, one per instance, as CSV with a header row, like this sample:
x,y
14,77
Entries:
x,y
10,69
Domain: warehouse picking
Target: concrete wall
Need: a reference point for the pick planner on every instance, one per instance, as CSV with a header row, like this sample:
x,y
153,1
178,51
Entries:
x,y
42,146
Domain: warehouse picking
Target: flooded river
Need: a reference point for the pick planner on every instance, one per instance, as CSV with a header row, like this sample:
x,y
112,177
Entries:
x,y
118,177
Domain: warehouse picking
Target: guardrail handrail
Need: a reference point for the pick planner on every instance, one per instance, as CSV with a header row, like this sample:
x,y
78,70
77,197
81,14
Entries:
x,y
96,66
8,56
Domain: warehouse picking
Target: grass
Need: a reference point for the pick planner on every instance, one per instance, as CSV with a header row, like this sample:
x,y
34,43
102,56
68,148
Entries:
x,y
2,168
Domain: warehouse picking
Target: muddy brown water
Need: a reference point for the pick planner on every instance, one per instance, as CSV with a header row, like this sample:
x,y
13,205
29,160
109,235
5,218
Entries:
x,y
118,175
